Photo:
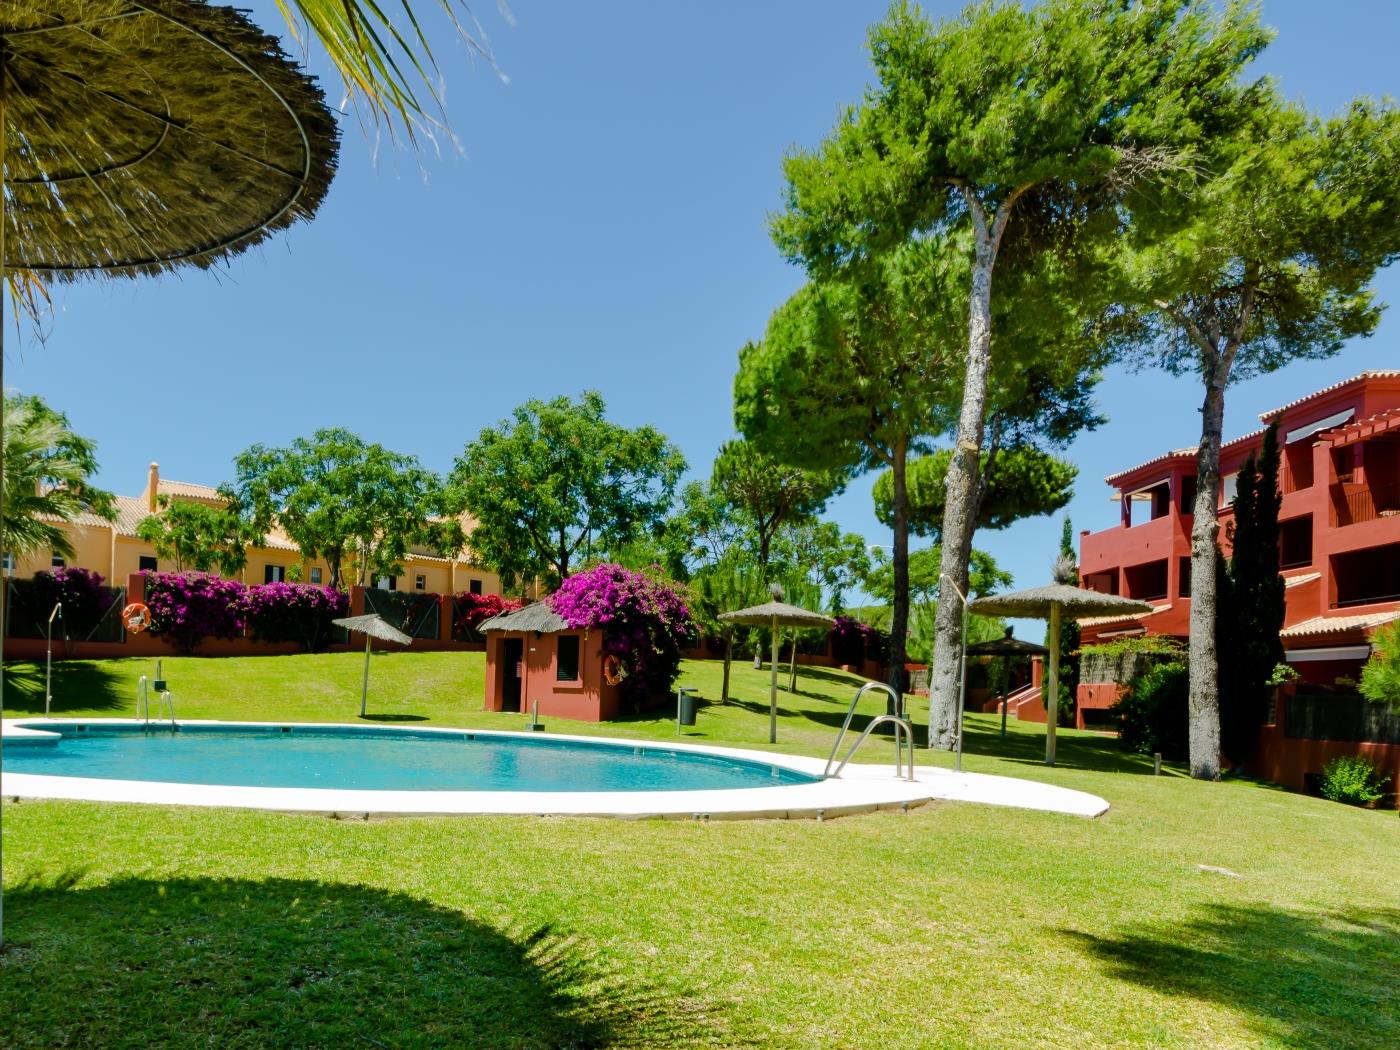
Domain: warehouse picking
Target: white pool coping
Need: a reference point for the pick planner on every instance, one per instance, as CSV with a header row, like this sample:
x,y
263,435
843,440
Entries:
x,y
860,788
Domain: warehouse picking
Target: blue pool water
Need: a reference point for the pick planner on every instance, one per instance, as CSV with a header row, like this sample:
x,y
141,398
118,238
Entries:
x,y
389,760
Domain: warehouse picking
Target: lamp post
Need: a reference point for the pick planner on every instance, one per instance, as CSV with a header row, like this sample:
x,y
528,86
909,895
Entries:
x,y
48,660
962,681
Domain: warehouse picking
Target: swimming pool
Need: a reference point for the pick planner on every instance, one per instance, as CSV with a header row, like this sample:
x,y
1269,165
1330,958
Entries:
x,y
378,759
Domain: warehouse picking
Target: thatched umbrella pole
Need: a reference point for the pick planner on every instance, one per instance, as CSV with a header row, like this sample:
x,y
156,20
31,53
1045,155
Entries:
x,y
773,688
3,223
775,614
1050,603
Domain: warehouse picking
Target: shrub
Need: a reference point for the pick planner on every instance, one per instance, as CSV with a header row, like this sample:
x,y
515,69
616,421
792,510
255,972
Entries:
x,y
1380,675
186,608
84,598
293,612
1153,713
645,623
1352,780
469,610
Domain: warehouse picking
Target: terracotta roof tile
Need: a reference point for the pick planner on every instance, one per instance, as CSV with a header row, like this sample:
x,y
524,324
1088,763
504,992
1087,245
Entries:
x,y
1381,373
1338,624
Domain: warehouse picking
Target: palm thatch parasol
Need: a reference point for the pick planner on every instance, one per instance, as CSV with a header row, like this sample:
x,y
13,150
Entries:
x,y
1004,646
776,614
371,625
137,137
1049,603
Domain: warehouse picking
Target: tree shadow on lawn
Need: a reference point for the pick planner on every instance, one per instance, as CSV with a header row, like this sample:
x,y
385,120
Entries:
x,y
78,685
1101,754
282,962
1303,979
372,717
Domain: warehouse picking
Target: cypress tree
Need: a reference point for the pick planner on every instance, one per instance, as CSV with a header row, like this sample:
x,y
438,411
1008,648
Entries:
x,y
1249,635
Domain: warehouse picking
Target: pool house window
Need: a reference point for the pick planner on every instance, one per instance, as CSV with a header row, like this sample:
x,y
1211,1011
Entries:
x,y
274,574
420,582
566,663
57,562
146,563
315,575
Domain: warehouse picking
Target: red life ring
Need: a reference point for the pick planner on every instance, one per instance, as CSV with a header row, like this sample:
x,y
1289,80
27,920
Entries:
x,y
613,670
136,617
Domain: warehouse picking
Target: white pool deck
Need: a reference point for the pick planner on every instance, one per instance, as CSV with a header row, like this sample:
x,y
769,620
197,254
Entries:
x,y
859,789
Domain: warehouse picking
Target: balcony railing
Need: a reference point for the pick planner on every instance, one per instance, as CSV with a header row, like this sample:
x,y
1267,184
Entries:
x,y
1365,504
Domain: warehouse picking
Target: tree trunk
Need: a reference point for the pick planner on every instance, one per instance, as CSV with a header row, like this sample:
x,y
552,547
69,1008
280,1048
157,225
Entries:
x,y
899,612
728,659
792,665
959,515
1204,698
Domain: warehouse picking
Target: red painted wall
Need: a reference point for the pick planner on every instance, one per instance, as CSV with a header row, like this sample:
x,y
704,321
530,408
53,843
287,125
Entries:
x,y
589,699
1287,761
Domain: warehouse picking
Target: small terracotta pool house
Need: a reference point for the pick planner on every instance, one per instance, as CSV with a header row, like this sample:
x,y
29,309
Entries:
x,y
533,655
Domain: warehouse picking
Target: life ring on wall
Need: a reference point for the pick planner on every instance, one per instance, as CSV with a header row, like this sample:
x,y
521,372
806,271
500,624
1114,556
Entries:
x,y
136,617
613,670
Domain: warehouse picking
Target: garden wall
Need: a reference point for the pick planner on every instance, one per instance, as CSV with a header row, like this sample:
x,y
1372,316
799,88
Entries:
x,y
149,645
1311,727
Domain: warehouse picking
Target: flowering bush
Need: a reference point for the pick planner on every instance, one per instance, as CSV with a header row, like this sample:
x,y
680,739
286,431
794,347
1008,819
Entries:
x,y
189,607
853,642
644,623
291,612
469,610
81,592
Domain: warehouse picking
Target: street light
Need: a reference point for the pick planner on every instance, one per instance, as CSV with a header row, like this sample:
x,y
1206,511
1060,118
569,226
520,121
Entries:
x,y
962,655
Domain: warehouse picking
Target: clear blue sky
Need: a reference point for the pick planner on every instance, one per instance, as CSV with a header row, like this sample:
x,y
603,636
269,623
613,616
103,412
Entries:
x,y
605,227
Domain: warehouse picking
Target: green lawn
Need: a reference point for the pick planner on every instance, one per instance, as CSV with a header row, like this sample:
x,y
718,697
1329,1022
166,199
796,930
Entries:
x,y
951,925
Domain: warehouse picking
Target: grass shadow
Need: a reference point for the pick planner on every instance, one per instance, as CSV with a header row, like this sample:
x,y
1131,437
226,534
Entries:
x,y
395,718
78,685
282,962
1302,979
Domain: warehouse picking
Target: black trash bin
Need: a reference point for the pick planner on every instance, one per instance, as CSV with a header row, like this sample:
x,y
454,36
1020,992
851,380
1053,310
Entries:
x,y
686,705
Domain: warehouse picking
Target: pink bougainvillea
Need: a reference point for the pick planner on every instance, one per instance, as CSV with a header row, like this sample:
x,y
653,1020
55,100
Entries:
x,y
295,612
189,607
645,623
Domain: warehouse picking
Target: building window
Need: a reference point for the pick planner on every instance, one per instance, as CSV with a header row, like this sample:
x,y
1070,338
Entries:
x,y
7,561
57,562
567,663
475,587
1295,548
274,574
1183,578
385,583
1227,488
315,575
146,563
420,582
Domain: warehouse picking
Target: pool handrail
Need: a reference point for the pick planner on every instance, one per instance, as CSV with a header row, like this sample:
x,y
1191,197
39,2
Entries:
x,y
903,730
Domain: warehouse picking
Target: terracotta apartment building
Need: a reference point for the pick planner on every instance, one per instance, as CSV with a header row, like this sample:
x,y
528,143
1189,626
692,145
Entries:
x,y
1339,527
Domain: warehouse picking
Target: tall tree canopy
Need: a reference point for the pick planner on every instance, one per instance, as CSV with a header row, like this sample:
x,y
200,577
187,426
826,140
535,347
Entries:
x,y
843,382
1021,127
339,497
1260,255
767,493
47,475
197,536
1023,482
557,480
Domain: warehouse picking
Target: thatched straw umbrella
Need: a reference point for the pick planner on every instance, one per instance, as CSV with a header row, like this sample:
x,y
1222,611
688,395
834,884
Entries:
x,y
1050,603
776,614
371,625
1005,646
135,139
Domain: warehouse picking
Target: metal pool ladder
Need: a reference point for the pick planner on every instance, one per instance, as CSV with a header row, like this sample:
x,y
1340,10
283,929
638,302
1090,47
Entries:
x,y
143,705
902,731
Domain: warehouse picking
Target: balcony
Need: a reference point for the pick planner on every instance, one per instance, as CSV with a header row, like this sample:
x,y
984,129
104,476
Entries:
x,y
1354,504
